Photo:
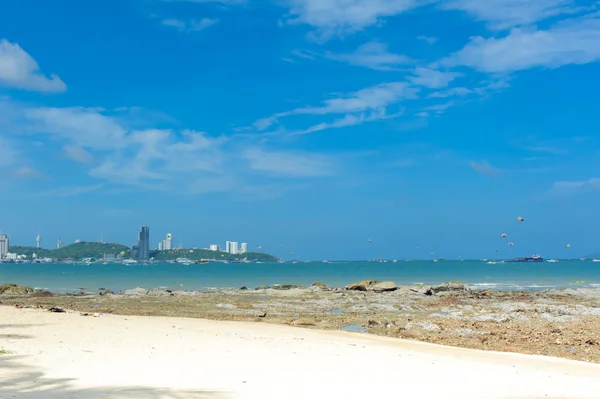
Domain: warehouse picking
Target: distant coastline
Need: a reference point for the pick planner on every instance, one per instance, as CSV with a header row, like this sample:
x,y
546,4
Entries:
x,y
96,251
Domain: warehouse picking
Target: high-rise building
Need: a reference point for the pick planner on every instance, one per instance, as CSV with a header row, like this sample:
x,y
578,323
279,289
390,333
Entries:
x,y
214,247
58,243
143,243
244,248
233,248
38,240
168,243
228,247
161,245
3,246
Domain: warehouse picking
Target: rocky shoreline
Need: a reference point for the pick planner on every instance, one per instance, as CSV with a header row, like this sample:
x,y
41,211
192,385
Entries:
x,y
561,323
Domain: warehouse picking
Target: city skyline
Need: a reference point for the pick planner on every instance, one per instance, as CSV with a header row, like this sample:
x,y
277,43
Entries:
x,y
428,127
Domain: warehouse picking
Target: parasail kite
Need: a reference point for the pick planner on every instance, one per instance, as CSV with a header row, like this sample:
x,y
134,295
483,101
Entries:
x,y
511,244
568,245
260,248
520,219
504,235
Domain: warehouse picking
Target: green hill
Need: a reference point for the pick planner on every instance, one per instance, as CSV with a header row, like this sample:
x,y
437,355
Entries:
x,y
198,254
74,251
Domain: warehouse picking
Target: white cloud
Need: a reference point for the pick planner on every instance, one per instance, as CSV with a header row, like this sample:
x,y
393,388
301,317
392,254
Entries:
x,y
27,172
78,154
339,17
191,26
291,164
349,120
69,191
485,168
431,78
19,70
428,39
371,98
454,91
8,154
570,188
575,41
501,14
374,55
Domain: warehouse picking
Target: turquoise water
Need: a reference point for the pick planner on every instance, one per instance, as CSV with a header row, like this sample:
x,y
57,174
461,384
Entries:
x,y
529,276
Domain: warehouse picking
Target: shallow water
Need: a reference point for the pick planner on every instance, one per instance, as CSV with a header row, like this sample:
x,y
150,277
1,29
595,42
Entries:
x,y
507,276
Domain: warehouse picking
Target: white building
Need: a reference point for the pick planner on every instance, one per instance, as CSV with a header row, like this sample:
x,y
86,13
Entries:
x,y
214,247
10,256
228,247
58,244
233,248
161,245
168,245
3,246
244,248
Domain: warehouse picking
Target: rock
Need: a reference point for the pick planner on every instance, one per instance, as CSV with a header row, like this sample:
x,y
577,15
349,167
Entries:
x,y
285,286
453,286
361,286
383,286
13,289
243,288
56,310
320,287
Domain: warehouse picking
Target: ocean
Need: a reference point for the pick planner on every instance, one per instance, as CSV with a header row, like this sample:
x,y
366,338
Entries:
x,y
506,276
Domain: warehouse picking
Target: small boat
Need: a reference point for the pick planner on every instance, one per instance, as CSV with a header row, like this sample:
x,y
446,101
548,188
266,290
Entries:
x,y
552,260
596,260
534,258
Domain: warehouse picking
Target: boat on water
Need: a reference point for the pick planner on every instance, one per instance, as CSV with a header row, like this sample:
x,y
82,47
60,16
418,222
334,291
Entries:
x,y
596,260
553,260
534,258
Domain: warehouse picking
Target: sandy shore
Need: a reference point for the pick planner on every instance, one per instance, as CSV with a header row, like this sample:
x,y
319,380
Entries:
x,y
66,355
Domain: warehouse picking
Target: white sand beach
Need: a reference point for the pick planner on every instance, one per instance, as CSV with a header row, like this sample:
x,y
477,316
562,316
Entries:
x,y
66,355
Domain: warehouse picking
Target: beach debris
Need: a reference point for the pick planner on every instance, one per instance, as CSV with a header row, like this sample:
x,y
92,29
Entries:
x,y
263,314
56,310
384,286
361,286
520,219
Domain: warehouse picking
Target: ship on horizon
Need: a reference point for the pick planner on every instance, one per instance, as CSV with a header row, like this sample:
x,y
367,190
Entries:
x,y
534,258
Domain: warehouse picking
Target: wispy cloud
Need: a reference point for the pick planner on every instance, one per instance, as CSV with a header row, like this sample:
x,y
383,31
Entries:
x,y
27,172
290,163
428,39
574,41
8,154
78,154
190,26
341,17
572,188
485,168
374,55
431,78
502,14
19,70
69,191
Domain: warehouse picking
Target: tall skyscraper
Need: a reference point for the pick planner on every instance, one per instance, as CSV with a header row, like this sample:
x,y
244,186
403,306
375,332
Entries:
x,y
233,248
58,244
3,246
244,248
144,243
168,245
228,247
38,240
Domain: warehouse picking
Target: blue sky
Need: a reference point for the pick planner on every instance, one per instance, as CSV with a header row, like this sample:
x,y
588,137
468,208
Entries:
x,y
427,126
